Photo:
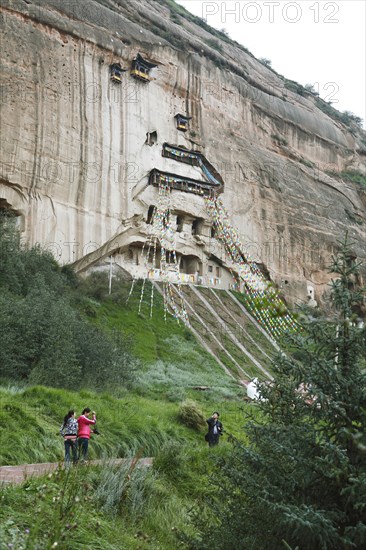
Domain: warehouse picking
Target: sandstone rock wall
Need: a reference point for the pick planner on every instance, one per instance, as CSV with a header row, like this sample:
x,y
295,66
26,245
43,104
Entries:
x,y
75,165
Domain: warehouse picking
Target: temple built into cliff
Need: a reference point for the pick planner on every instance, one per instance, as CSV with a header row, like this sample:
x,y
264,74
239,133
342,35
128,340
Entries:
x,y
178,165
182,122
140,68
117,72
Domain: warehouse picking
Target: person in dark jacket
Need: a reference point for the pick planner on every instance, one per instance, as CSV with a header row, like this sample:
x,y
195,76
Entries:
x,y
214,429
69,430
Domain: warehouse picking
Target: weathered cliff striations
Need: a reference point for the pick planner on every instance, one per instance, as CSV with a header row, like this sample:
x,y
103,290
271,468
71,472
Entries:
x,y
76,153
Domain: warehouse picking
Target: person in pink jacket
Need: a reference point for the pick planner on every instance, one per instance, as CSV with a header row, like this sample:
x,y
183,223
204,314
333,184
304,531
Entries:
x,y
84,423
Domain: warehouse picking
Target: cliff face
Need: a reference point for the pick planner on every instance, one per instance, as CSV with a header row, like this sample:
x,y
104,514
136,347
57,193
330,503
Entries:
x,y
77,149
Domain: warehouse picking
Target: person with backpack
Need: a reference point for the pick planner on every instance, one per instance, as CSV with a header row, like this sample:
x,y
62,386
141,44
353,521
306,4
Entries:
x,y
84,423
69,430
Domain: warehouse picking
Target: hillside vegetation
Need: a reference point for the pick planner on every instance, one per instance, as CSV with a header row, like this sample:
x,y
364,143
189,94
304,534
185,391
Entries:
x,y
289,471
139,373
130,424
104,507
66,332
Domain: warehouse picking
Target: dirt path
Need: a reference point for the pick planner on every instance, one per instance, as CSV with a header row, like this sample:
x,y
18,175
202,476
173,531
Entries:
x,y
18,474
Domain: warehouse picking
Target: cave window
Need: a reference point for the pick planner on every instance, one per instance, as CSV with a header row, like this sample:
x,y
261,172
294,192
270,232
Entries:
x,y
150,214
150,257
217,272
179,224
151,138
166,219
196,227
130,254
210,269
16,217
169,257
213,232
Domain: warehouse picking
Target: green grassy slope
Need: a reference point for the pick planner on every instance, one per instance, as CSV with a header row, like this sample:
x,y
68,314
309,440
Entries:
x,y
103,507
172,362
70,331
30,420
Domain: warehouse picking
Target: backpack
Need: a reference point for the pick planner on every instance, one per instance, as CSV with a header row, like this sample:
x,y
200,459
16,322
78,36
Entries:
x,y
70,428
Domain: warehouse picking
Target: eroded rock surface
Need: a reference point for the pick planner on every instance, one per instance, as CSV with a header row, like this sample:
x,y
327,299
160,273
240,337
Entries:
x,y
76,153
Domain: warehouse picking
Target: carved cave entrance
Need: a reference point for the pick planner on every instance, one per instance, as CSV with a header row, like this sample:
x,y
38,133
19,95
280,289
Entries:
x,y
7,209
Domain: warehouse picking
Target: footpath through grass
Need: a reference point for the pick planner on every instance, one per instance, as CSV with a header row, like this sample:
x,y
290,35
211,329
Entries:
x,y
30,420
106,507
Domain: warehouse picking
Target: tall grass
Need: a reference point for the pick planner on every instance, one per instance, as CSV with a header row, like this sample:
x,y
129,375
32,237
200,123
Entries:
x,y
30,422
108,506
125,485
60,511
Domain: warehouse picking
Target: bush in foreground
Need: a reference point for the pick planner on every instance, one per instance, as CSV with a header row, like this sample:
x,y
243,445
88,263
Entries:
x,y
191,415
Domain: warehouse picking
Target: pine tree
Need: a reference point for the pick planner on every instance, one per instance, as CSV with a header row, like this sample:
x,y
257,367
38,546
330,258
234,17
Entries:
x,y
301,480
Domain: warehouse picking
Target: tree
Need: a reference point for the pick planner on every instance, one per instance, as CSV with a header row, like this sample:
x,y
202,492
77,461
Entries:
x,y
265,61
300,482
348,116
310,88
44,339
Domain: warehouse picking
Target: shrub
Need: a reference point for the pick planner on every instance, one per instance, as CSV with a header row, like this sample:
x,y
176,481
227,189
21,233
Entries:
x,y
174,17
265,61
215,44
122,486
44,338
171,460
280,140
355,177
310,88
191,415
175,395
307,163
